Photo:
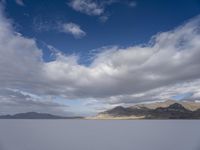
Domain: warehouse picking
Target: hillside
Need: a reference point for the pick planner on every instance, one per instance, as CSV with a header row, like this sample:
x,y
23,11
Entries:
x,y
159,110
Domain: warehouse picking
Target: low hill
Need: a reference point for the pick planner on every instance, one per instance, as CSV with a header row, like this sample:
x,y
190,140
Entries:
x,y
35,115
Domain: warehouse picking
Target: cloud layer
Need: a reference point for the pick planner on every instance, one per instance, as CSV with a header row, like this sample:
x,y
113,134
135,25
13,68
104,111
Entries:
x,y
169,62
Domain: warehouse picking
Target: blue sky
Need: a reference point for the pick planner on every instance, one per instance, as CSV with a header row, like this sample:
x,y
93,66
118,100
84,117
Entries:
x,y
126,25
84,56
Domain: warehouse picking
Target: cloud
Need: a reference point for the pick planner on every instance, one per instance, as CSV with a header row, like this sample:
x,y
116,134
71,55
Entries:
x,y
96,8
104,18
20,66
20,2
41,23
166,66
92,7
88,7
170,58
73,29
14,101
132,4
191,89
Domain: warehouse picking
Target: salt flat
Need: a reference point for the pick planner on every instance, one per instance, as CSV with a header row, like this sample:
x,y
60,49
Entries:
x,y
99,135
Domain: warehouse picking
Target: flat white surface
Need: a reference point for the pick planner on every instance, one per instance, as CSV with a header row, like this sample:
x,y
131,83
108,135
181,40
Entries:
x,y
99,135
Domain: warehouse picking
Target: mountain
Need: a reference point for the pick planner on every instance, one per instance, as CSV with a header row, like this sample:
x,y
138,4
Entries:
x,y
159,110
35,115
190,105
174,111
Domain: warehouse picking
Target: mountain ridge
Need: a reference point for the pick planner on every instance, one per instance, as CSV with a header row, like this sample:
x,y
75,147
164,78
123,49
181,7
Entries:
x,y
159,110
36,115
190,105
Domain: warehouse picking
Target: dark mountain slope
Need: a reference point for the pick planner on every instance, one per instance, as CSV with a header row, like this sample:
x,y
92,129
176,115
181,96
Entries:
x,y
173,111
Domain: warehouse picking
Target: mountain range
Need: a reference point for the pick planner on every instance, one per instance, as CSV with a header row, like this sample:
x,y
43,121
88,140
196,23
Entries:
x,y
35,115
169,109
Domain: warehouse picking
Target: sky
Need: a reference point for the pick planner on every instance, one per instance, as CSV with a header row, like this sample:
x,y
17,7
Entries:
x,y
80,57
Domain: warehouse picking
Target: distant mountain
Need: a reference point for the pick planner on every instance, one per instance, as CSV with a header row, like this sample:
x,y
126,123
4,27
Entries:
x,y
159,110
190,105
35,115
174,111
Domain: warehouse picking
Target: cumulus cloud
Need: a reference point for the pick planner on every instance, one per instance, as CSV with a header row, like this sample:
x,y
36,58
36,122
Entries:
x,y
172,57
20,68
73,29
170,62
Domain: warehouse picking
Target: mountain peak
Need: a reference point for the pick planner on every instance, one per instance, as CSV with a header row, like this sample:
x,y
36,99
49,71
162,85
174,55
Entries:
x,y
176,106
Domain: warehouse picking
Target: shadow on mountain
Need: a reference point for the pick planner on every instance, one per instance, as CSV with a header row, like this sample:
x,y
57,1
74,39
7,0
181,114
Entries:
x,y
173,111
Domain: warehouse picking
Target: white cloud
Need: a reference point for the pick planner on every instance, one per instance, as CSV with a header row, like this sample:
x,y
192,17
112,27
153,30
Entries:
x,y
88,7
74,29
20,2
97,8
116,75
20,68
92,7
172,58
